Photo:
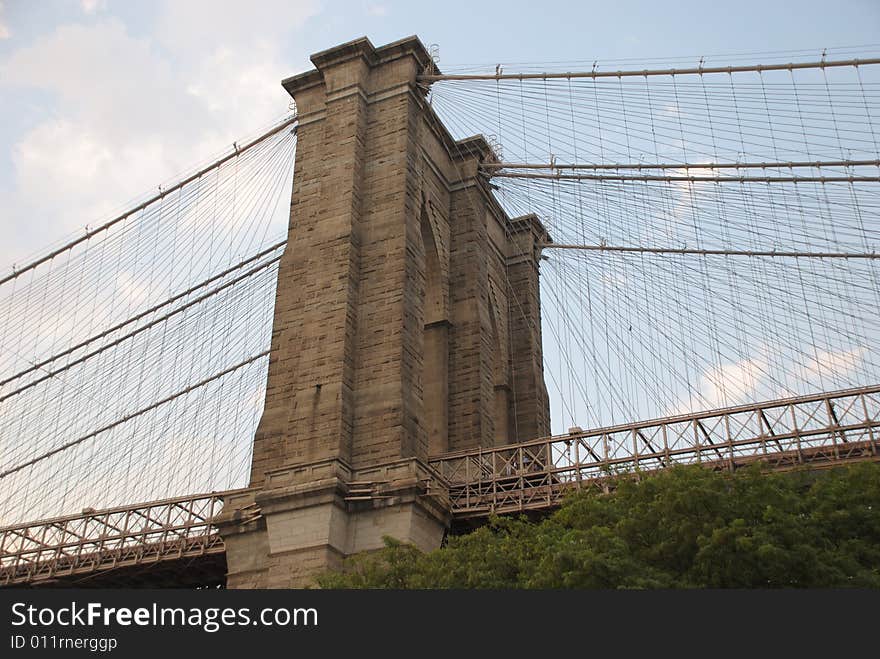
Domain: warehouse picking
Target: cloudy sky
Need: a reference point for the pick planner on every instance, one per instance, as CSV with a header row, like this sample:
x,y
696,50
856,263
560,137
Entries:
x,y
101,100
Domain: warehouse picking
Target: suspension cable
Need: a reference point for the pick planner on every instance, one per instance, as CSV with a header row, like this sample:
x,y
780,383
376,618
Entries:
x,y
713,252
649,72
237,151
129,417
492,167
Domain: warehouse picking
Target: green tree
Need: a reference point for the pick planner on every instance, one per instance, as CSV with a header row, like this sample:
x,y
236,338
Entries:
x,y
685,527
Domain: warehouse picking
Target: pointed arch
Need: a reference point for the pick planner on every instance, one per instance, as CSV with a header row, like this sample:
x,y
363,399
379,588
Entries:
x,y
434,298
500,380
435,361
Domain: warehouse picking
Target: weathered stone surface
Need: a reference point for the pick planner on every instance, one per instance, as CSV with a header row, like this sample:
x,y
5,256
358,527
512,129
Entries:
x,y
407,323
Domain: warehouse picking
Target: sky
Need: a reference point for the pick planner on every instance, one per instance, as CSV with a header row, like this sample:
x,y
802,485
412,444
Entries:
x,y
102,100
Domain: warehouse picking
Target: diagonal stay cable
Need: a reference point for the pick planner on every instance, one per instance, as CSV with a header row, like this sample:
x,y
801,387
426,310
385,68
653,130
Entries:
x,y
143,328
133,415
119,218
143,314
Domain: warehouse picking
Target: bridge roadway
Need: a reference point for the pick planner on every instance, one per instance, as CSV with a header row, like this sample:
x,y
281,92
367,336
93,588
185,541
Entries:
x,y
173,541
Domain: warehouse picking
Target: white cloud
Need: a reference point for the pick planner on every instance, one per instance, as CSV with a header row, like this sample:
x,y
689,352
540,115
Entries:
x,y
107,142
732,382
136,91
131,289
204,26
5,33
613,280
377,9
92,6
831,364
697,172
689,199
749,379
124,124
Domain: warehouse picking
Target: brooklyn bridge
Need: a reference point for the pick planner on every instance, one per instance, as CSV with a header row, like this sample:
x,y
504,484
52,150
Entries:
x,y
422,298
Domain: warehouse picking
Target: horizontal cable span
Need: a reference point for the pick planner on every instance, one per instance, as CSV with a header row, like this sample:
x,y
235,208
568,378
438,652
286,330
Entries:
x,y
165,192
650,72
686,165
129,417
713,252
691,179
143,328
143,314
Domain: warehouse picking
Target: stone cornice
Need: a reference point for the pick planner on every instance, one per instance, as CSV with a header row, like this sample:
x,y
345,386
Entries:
x,y
361,48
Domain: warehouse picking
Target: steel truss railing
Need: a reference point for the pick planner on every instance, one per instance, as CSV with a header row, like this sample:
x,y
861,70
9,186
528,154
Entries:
x,y
820,430
108,539
823,429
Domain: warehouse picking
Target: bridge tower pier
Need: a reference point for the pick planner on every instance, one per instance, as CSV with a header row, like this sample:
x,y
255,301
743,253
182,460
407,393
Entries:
x,y
407,324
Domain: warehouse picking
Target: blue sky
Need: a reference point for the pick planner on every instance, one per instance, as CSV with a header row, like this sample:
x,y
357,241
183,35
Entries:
x,y
104,99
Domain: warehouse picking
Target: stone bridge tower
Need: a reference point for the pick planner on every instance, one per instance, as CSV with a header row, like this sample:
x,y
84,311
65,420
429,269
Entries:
x,y
407,324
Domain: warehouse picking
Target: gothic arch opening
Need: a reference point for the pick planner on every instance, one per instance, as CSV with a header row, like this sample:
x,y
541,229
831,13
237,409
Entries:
x,y
435,364
499,377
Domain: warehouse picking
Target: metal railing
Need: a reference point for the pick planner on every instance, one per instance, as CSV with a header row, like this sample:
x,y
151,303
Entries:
x,y
822,429
108,539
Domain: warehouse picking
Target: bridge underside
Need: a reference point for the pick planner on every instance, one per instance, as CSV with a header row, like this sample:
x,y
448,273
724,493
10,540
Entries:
x,y
206,571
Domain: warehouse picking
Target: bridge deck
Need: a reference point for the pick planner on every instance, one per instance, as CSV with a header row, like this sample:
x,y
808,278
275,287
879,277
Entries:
x,y
177,536
819,430
115,539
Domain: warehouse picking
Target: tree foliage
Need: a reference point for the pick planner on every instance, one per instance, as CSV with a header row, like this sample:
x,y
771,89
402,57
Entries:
x,y
685,527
